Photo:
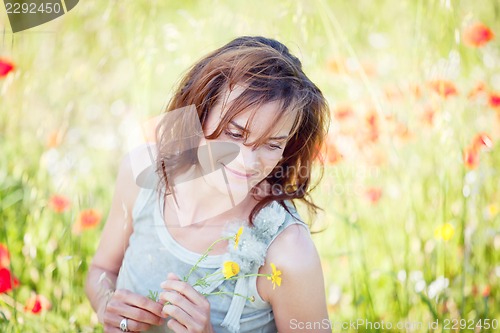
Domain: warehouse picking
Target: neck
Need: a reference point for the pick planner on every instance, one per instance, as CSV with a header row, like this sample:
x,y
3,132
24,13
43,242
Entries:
x,y
194,203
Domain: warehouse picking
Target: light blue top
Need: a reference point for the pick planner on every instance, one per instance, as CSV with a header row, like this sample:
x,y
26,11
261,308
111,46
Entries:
x,y
152,253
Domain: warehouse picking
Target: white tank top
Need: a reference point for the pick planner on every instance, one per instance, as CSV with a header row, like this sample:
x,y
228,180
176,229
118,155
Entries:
x,y
153,253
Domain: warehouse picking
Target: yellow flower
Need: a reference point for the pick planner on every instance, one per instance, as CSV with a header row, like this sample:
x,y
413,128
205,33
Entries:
x,y
230,269
237,237
444,232
275,276
492,210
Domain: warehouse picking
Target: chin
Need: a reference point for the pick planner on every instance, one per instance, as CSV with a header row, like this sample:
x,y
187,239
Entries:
x,y
239,191
235,189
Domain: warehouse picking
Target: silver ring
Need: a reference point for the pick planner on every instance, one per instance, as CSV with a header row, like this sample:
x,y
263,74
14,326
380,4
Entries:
x,y
123,325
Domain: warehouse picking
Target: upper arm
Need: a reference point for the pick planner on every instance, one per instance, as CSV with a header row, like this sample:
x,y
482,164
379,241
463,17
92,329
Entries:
x,y
301,296
118,227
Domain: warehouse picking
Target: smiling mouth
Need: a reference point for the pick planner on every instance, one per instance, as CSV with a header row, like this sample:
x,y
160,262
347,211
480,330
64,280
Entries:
x,y
238,174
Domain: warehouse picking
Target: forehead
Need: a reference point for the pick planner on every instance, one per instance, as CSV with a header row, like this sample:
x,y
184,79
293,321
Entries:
x,y
268,119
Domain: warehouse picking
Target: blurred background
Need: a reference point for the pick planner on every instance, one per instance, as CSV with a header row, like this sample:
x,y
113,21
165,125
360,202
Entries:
x,y
410,231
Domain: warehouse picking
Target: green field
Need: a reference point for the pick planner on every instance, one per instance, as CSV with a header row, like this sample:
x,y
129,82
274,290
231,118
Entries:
x,y
411,183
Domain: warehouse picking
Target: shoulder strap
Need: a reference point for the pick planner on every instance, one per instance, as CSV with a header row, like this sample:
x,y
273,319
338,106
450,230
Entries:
x,y
270,223
143,197
290,219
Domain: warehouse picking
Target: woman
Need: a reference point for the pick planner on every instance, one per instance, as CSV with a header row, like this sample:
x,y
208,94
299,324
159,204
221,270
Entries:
x,y
235,147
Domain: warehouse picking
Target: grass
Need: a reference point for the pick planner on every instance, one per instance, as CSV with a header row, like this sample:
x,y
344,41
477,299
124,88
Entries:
x,y
84,82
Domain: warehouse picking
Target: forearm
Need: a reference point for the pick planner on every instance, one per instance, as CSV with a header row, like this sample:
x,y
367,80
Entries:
x,y
99,286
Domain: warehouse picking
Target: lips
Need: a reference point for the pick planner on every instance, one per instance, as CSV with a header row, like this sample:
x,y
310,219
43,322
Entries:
x,y
237,173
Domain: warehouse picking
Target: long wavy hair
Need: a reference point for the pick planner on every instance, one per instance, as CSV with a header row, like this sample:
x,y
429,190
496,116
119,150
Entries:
x,y
269,73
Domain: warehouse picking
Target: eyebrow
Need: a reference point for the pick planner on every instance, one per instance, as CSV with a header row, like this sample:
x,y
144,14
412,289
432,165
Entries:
x,y
243,129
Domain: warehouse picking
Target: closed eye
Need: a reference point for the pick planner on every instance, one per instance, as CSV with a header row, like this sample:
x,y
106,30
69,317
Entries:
x,y
234,135
274,147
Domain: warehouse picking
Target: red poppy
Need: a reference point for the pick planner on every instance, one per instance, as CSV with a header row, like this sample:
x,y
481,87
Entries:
x,y
482,140
428,115
59,203
333,155
342,112
402,131
393,93
369,68
390,117
54,138
471,158
486,291
480,88
5,67
477,35
494,100
474,290
37,303
7,280
415,90
318,154
443,308
373,194
372,121
443,88
87,219
336,66
4,256
373,135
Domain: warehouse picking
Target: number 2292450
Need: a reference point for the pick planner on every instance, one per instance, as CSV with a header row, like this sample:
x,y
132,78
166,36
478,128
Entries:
x,y
32,8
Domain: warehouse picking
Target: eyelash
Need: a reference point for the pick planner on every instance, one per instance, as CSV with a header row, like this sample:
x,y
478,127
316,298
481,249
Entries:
x,y
274,147
237,136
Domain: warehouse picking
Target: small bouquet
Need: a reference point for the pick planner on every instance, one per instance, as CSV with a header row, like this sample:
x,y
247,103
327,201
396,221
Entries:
x,y
230,270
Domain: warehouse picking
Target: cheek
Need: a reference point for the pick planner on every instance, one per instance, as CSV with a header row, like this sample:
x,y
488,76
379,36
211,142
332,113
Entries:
x,y
211,122
268,165
209,129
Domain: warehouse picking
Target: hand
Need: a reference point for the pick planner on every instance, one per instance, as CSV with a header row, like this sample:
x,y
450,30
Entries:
x,y
140,311
188,309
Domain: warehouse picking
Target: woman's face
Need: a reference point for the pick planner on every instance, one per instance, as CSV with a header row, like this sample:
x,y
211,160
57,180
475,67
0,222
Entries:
x,y
253,163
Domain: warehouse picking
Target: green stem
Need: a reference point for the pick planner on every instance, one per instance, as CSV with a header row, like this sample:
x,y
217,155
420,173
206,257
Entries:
x,y
236,277
251,299
203,256
463,245
428,302
203,279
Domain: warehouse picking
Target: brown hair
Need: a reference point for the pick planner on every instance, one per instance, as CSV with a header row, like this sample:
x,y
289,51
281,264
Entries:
x,y
269,73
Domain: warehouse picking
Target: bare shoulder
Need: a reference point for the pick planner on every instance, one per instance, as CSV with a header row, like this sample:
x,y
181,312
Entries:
x,y
135,167
293,249
294,254
301,293
119,226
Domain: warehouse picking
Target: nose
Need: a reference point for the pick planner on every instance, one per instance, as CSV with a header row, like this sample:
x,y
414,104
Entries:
x,y
250,158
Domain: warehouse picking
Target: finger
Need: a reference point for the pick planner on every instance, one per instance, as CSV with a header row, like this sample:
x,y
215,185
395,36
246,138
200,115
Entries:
x,y
138,301
112,329
179,300
185,289
172,276
117,307
178,315
196,315
135,326
175,326
139,315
